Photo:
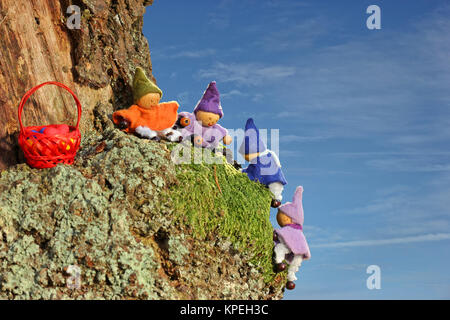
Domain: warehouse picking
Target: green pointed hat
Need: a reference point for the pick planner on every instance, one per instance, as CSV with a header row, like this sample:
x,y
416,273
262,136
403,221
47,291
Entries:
x,y
142,85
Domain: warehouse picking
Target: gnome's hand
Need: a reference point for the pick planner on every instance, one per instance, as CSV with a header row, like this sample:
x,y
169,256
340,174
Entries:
x,y
275,236
197,141
184,122
227,139
123,123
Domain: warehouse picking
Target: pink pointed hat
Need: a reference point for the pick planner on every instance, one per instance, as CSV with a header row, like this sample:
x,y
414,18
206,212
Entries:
x,y
294,209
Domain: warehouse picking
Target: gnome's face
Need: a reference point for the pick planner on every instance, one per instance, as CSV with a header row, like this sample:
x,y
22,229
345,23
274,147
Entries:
x,y
207,119
249,157
283,219
149,100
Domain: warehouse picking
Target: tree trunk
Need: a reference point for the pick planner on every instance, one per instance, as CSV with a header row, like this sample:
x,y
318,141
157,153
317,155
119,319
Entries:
x,y
96,61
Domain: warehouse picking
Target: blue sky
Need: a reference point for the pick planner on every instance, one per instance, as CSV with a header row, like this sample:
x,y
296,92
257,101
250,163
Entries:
x,y
364,119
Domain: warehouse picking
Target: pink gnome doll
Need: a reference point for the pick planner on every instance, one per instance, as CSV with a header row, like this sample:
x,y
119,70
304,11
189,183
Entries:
x,y
290,242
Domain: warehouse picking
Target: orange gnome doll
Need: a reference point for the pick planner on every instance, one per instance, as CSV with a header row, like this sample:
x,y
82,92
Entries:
x,y
148,118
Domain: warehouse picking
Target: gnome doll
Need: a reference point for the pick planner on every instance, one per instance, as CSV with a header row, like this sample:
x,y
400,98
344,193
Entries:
x,y
290,242
264,164
148,118
201,125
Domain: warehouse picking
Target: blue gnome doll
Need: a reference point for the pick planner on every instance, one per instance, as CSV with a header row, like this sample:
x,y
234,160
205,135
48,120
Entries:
x,y
264,164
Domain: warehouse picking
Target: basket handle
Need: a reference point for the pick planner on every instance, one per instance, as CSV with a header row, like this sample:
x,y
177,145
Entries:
x,y
33,90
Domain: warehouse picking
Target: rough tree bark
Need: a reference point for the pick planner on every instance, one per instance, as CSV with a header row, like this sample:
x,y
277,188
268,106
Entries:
x,y
97,61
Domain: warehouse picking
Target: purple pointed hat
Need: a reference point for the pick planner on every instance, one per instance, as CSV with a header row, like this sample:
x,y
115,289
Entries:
x,y
294,209
210,102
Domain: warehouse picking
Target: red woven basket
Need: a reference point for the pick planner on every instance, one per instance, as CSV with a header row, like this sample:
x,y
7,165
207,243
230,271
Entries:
x,y
47,146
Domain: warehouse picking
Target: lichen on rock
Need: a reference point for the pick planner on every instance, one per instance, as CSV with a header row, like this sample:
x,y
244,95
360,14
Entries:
x,y
136,225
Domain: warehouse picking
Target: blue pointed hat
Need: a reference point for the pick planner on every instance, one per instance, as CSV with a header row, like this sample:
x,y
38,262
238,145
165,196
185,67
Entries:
x,y
252,142
210,102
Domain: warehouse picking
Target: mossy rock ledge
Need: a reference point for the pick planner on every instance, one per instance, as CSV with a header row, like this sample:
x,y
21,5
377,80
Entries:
x,y
136,226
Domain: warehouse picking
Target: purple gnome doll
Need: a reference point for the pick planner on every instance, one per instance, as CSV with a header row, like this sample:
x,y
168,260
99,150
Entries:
x,y
264,164
201,125
290,242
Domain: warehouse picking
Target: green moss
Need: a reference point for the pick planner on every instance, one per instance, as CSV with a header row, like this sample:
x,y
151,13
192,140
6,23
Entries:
x,y
238,211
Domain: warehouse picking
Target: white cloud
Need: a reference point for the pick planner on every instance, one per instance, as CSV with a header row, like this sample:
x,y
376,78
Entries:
x,y
421,160
284,4
182,53
292,34
386,86
243,95
420,208
194,53
221,18
418,164
373,154
232,93
383,242
247,74
313,232
297,138
184,99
